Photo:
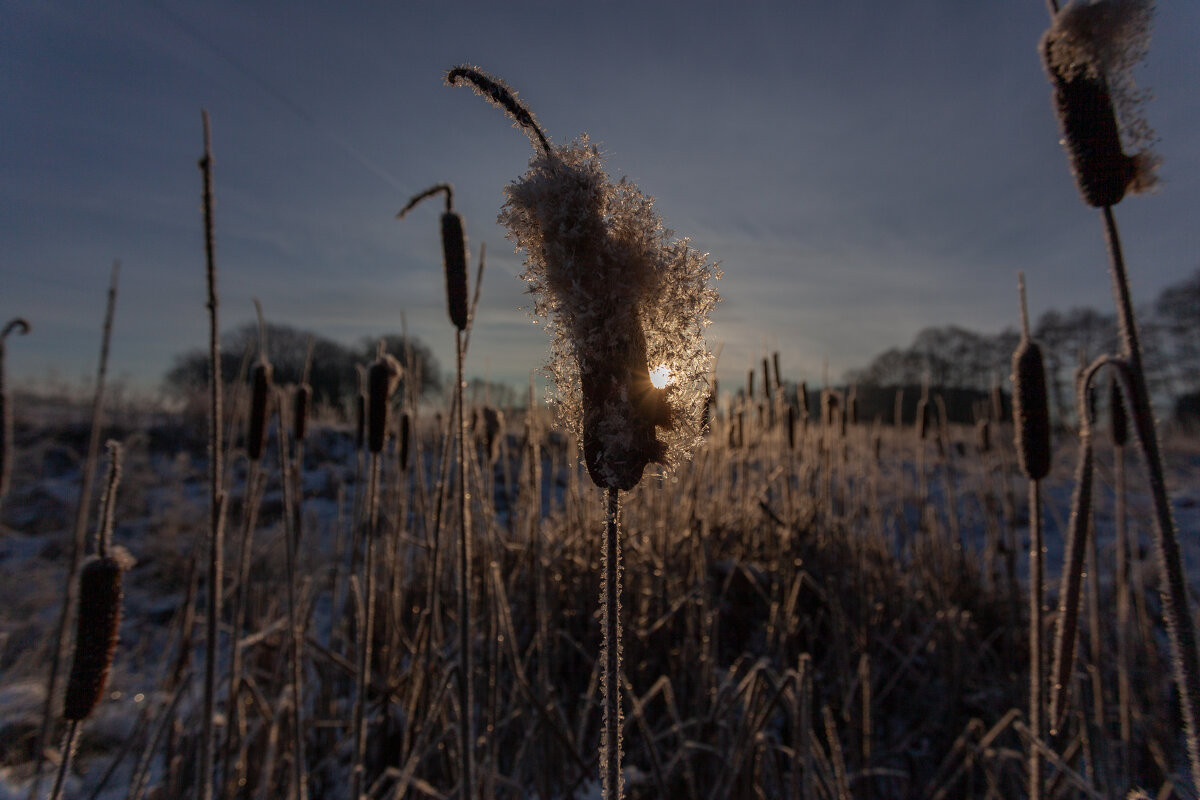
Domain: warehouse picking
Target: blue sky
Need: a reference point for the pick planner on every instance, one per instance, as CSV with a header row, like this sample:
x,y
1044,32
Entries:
x,y
860,169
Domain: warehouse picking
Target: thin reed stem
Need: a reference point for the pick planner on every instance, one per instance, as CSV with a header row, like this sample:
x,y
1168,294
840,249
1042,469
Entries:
x,y
68,755
299,773
466,677
79,540
366,622
1037,577
216,540
1173,591
610,603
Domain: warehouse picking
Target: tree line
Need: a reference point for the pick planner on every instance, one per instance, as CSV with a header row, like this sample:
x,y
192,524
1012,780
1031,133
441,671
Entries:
x,y
952,356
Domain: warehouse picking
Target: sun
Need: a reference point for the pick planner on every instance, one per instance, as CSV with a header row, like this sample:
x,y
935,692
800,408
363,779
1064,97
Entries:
x,y
661,376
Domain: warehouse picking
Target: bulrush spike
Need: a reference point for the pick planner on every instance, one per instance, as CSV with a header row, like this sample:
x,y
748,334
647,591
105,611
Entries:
x,y
405,436
1088,46
99,615
1031,409
454,252
6,418
382,379
301,404
260,393
1118,420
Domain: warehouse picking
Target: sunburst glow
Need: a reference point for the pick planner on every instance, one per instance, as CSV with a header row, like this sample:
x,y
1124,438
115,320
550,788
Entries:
x,y
661,376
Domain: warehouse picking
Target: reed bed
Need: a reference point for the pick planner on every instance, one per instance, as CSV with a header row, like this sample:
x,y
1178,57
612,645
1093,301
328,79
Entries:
x,y
795,603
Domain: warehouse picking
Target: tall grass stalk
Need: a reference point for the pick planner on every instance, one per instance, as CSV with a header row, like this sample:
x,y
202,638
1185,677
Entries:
x,y
217,498
1176,607
1031,434
612,780
82,513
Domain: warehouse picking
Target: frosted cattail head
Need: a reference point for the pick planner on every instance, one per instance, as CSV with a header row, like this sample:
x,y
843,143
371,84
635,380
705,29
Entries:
x,y
99,616
1030,403
627,303
983,430
1118,420
260,392
97,624
382,379
405,435
493,426
454,252
1088,53
360,409
6,418
301,403
1031,410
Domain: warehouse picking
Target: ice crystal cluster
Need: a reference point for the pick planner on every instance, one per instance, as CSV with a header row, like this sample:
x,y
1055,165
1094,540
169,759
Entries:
x,y
1089,52
623,297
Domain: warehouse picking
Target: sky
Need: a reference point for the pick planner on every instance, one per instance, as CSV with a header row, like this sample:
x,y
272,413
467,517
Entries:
x,y
860,170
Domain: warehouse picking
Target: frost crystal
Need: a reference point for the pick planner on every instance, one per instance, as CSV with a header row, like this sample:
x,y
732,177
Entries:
x,y
622,296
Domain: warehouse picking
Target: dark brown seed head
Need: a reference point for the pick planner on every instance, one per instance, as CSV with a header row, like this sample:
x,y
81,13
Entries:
x,y
622,409
984,429
1118,420
381,382
1089,128
256,435
6,418
98,620
301,401
493,426
791,427
1031,411
454,255
360,421
802,401
405,433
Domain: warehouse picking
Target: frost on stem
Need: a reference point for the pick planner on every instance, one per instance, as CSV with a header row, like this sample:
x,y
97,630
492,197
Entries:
x,y
1089,53
622,295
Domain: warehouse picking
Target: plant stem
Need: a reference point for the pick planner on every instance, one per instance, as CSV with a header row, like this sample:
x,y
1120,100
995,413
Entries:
x,y
466,687
610,601
1036,593
1173,591
79,541
217,510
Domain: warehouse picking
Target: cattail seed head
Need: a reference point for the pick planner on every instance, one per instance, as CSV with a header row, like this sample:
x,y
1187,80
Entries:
x,y
1118,420
382,378
1087,53
623,293
1031,411
360,421
983,429
301,401
97,624
454,255
256,434
923,416
6,416
493,425
405,434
